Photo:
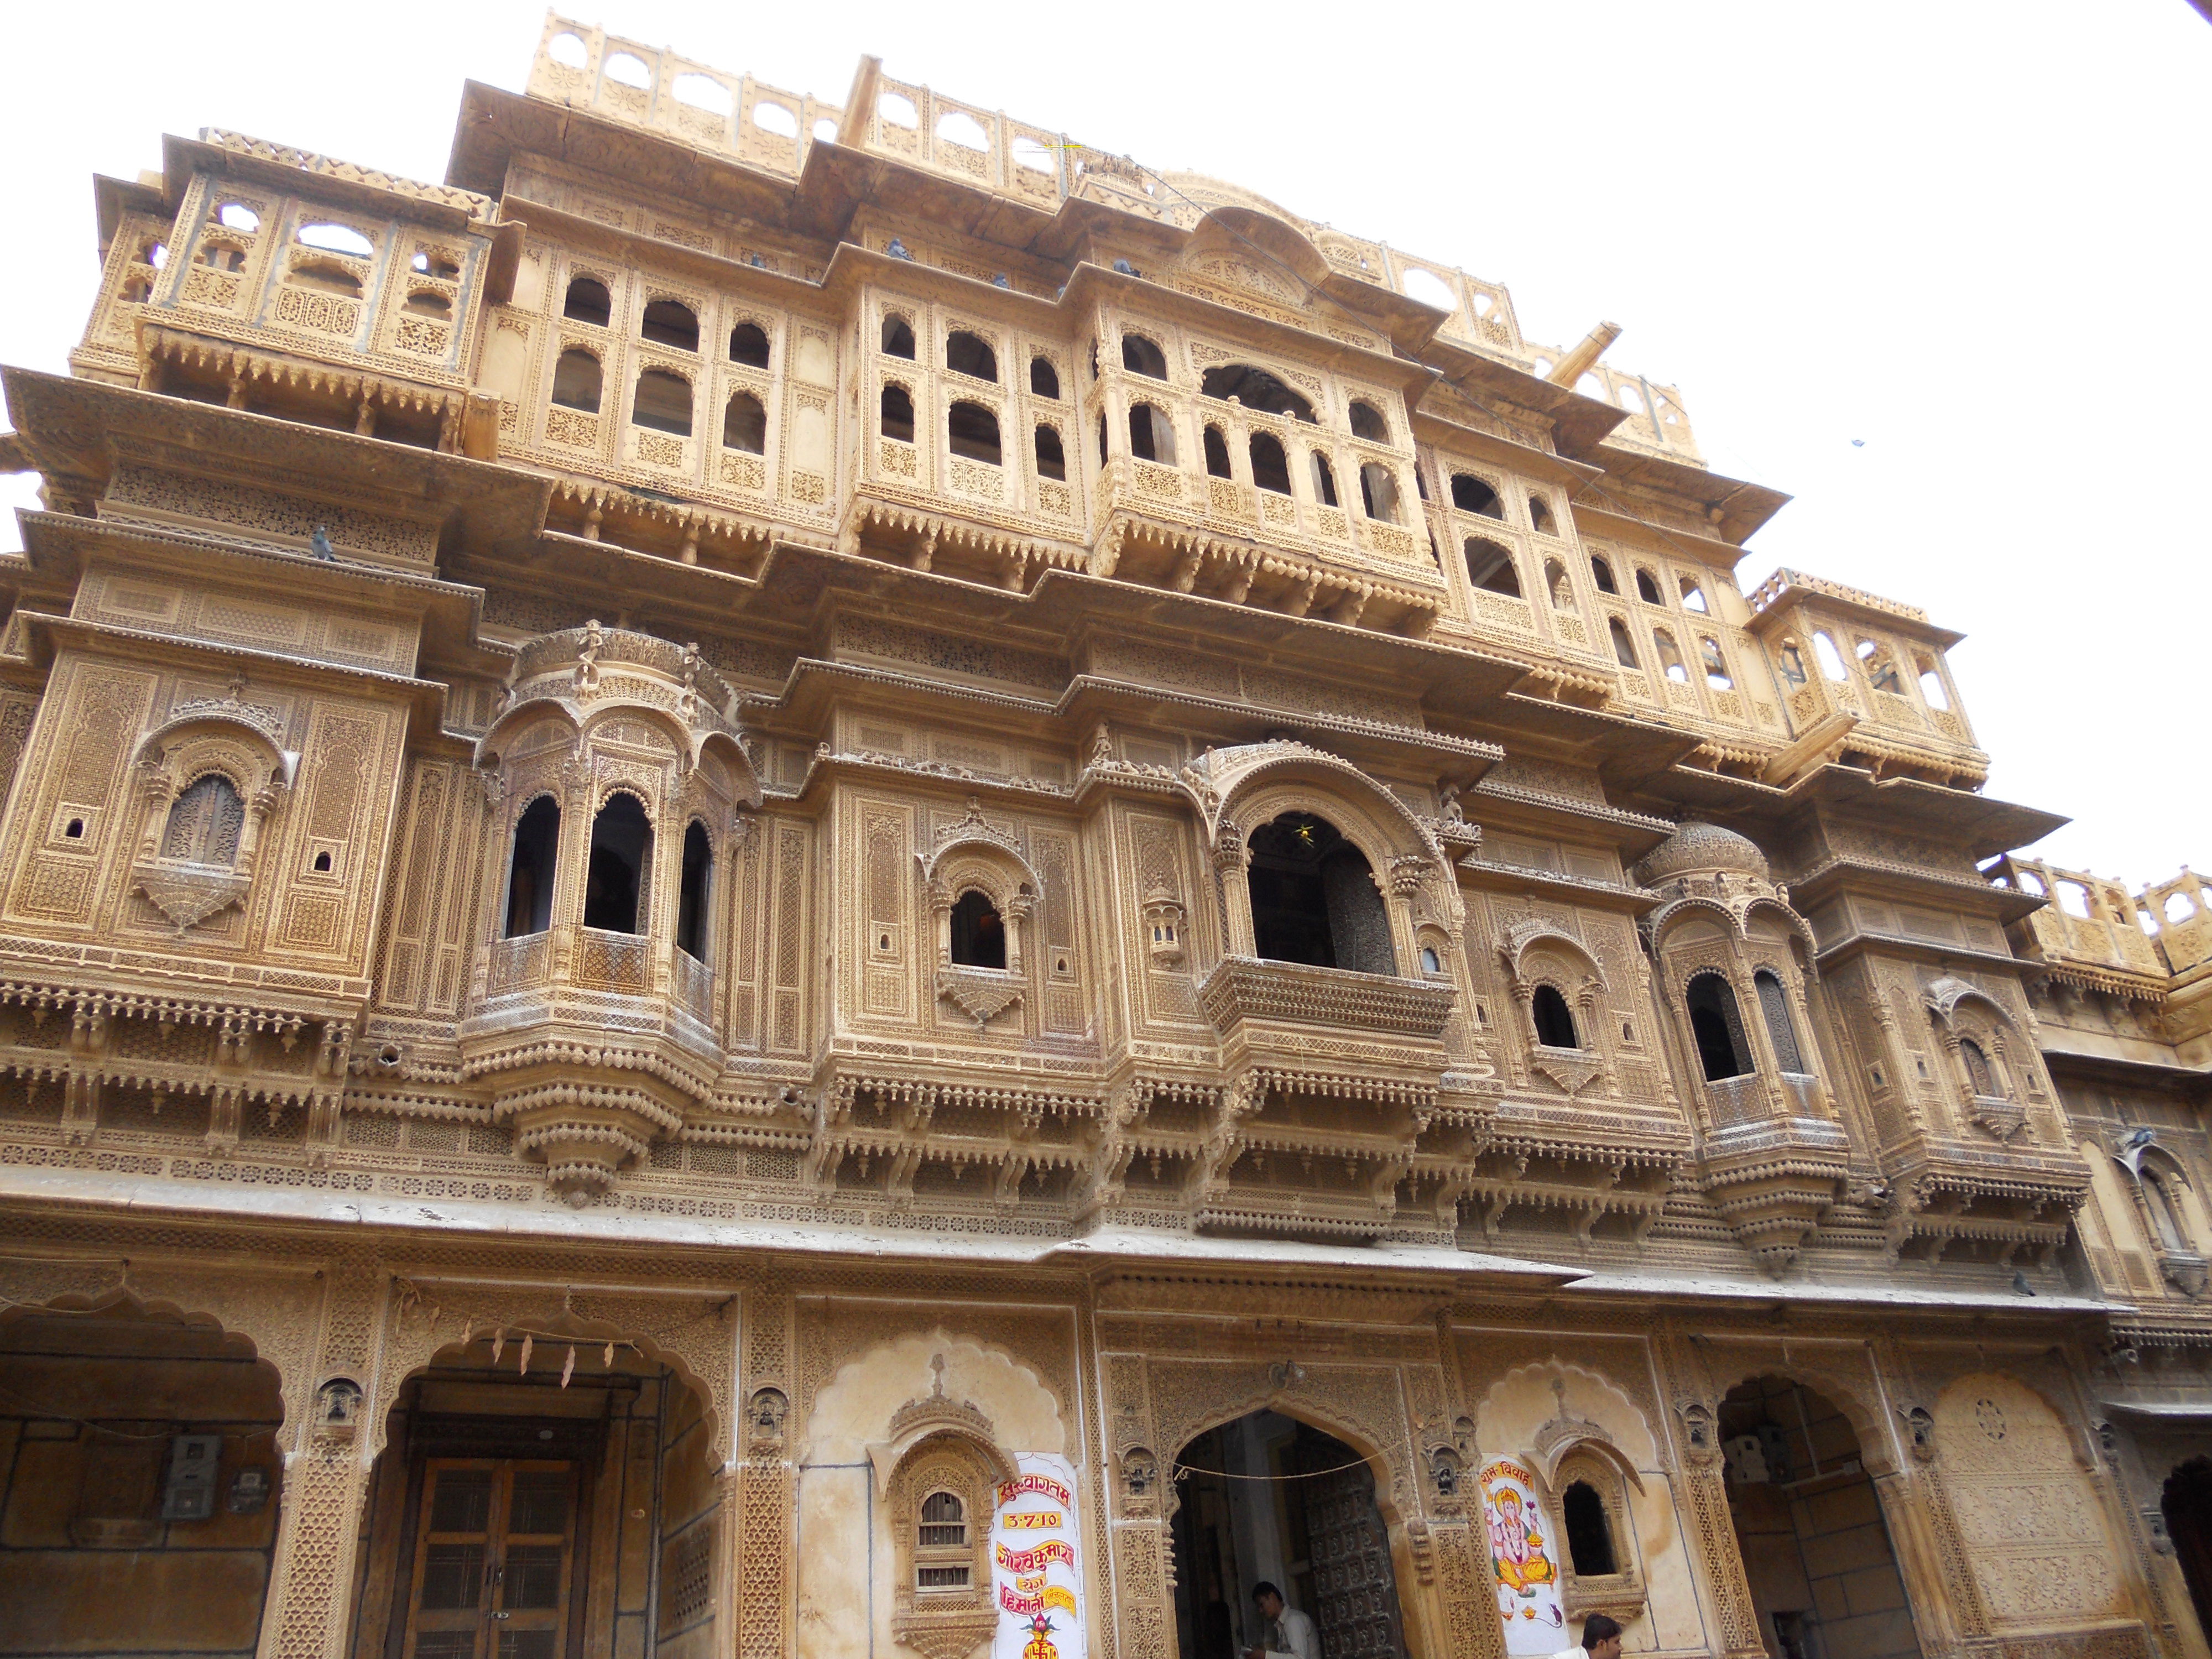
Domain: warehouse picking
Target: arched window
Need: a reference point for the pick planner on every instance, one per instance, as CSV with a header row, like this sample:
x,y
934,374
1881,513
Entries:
x,y
1718,1028
1471,494
2165,1207
1101,437
1540,516
1141,357
1647,587
1831,660
1670,659
221,256
1051,459
1693,597
970,355
1781,1030
1044,379
1590,1532
898,416
671,322
1271,468
205,823
1378,492
1716,665
663,402
1931,682
1324,480
974,432
615,875
1217,452
1562,589
693,895
745,424
1981,1076
1367,423
1490,568
749,345
325,277
1314,899
439,266
1431,962
1255,388
1555,1021
1601,574
979,934
898,337
429,302
530,869
1793,663
1623,649
942,1558
588,302
576,380
1881,667
1151,435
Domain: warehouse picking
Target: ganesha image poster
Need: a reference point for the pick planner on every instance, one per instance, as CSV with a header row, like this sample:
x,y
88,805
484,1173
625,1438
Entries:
x,y
1526,1557
1037,1562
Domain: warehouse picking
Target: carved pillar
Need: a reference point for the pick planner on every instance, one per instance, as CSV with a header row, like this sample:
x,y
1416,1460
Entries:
x,y
1231,859
1405,882
326,1464
1141,1585
763,1504
1694,1429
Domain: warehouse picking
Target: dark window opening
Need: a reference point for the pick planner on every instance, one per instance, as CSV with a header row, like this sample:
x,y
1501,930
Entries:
x,y
1718,1028
979,936
1141,357
944,1522
1601,573
974,432
670,324
1151,435
1554,1020
745,425
588,302
1271,468
1623,650
1471,494
898,337
205,823
663,402
1792,663
576,380
1324,480
1540,516
530,870
615,875
1217,453
1101,437
1378,492
1314,899
1421,484
1646,589
897,417
1589,1534
1051,460
691,899
1490,568
749,345
322,864
1044,379
75,829
970,355
1781,1030
1255,388
1367,423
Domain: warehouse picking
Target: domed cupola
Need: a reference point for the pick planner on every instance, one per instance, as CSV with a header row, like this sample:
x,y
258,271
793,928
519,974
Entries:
x,y
1703,849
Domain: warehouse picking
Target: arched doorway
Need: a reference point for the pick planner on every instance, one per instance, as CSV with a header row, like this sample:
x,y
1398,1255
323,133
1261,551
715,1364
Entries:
x,y
140,1491
1314,899
540,1505
2187,1503
1816,1552
1266,1498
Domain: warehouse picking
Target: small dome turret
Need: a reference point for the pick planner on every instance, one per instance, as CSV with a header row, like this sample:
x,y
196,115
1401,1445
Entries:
x,y
1700,848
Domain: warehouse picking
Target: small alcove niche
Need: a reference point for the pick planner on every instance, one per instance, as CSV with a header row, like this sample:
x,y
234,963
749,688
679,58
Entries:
x,y
1591,1480
214,776
940,1470
1314,897
981,892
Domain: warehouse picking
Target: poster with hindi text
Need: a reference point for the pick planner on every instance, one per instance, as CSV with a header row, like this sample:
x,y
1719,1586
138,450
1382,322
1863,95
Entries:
x,y
1037,1562
1525,1558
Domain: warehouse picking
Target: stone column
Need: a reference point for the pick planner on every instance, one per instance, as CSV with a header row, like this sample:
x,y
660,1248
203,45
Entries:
x,y
763,1495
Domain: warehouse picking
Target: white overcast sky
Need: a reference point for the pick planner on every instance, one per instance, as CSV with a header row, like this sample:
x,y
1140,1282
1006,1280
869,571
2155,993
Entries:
x,y
1973,237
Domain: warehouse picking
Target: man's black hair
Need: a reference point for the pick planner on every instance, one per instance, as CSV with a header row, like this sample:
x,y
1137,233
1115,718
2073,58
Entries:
x,y
1598,1628
1263,1588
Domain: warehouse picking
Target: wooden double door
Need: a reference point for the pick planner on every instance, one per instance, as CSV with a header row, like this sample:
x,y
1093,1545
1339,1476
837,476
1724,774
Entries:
x,y
495,1559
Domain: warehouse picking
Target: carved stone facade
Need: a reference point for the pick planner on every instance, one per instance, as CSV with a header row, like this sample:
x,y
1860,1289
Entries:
x,y
778,823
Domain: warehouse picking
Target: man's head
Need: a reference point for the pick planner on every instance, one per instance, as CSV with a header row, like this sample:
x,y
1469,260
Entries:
x,y
1602,1637
1270,1600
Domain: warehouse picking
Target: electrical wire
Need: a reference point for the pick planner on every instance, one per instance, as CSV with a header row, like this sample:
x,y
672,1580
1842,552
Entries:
x,y
1182,1468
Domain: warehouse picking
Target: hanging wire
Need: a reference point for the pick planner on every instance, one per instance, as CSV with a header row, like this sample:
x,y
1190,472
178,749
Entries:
x,y
1182,1468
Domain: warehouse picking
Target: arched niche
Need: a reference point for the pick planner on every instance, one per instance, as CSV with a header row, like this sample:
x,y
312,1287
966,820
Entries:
x,y
210,760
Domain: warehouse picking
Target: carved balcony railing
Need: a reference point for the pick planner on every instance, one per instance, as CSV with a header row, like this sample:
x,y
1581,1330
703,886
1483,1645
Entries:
x,y
1243,988
519,963
621,963
691,984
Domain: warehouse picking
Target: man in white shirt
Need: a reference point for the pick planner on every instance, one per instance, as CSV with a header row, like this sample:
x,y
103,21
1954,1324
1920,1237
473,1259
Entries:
x,y
1289,1633
1601,1640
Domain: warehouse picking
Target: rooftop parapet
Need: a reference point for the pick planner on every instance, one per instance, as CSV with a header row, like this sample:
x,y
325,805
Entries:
x,y
2088,932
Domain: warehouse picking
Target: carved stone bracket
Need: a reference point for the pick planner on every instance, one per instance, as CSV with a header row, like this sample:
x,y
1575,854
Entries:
x,y
980,994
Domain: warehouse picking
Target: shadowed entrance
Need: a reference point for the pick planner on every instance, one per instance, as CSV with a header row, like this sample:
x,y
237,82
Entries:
x,y
1268,1498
